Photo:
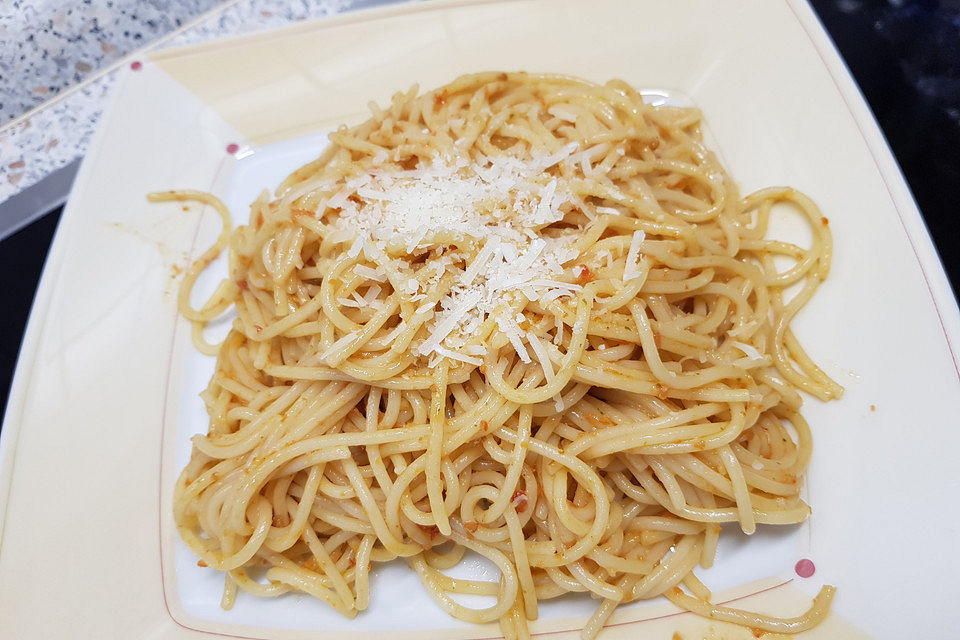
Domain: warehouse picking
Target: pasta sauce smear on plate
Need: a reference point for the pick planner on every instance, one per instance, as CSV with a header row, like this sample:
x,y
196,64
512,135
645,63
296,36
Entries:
x,y
522,315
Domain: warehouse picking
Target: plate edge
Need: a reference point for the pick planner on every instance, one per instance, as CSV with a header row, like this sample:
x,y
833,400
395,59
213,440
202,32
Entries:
x,y
29,345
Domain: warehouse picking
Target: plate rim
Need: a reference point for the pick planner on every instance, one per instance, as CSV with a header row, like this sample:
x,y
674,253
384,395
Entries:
x,y
909,216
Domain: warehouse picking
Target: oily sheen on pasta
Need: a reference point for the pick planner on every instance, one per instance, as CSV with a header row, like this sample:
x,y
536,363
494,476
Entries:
x,y
524,316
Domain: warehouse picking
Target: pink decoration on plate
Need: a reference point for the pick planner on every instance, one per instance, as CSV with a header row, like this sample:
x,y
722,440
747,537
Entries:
x,y
805,568
136,65
232,148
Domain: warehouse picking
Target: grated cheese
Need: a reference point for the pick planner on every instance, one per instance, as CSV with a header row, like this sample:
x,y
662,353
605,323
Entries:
x,y
480,262
475,350
512,331
370,297
501,201
540,350
356,247
631,269
748,349
414,206
453,355
424,308
448,323
558,403
395,333
345,340
364,271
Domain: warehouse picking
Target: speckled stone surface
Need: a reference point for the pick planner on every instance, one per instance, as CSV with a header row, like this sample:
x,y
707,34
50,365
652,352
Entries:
x,y
49,45
32,148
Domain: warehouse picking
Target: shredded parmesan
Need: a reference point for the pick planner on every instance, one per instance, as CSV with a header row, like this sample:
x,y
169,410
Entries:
x,y
475,350
453,355
445,326
339,344
372,294
370,274
631,269
512,331
503,202
540,350
748,349
494,196
397,330
424,308
480,262
356,247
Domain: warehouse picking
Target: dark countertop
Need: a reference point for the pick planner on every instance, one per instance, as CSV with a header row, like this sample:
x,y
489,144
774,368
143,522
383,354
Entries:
x,y
904,54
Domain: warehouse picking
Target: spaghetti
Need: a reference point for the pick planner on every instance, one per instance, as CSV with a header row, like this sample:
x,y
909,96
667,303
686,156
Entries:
x,y
524,316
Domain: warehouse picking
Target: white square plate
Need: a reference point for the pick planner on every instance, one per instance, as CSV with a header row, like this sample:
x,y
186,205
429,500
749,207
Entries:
x,y
105,392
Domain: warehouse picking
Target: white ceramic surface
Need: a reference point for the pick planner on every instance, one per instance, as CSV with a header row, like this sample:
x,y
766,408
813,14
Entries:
x,y
105,388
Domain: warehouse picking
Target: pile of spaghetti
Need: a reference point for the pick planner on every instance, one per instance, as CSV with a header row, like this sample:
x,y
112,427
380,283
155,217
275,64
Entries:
x,y
523,316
